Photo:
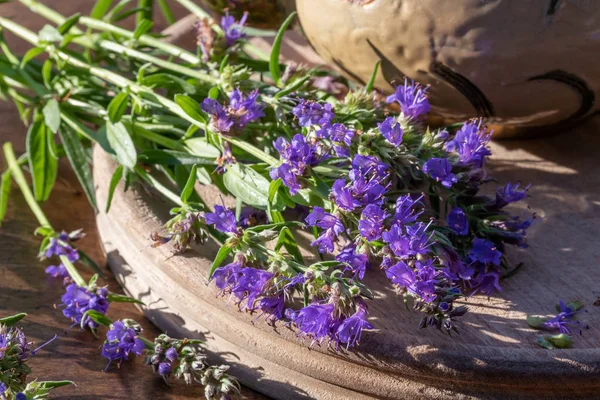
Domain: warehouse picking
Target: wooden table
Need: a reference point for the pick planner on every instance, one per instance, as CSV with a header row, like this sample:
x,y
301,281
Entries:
x,y
24,287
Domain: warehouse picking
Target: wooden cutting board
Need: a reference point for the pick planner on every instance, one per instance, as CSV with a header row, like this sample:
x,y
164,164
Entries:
x,y
495,355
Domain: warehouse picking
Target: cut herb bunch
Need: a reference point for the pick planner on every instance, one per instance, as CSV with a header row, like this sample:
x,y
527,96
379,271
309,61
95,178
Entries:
x,y
382,192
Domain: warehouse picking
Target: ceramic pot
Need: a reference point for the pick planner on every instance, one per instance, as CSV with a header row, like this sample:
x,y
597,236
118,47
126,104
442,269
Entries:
x,y
527,65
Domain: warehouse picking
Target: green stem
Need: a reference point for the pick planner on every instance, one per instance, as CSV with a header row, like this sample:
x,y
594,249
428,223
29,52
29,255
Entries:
x,y
17,174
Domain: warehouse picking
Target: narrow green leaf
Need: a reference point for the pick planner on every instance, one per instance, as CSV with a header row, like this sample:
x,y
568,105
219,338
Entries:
x,y
69,23
30,55
286,238
100,9
95,316
92,282
169,81
54,384
120,298
117,107
221,256
293,87
166,11
114,181
173,157
51,113
87,261
371,83
191,107
119,139
276,226
276,49
4,193
142,28
42,164
13,319
77,156
148,13
49,34
47,73
201,148
248,185
189,186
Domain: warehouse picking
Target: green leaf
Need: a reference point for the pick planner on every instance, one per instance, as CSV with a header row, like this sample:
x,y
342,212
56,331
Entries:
x,y
119,139
248,185
173,157
51,113
4,193
13,319
191,107
30,55
276,49
143,27
292,87
49,385
69,23
77,156
96,317
276,226
169,81
201,148
114,181
92,282
100,9
286,238
369,87
213,93
117,107
188,189
120,298
47,73
87,261
222,255
166,11
42,163
49,34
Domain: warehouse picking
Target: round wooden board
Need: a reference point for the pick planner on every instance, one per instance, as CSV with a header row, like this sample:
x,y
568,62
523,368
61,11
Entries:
x,y
495,355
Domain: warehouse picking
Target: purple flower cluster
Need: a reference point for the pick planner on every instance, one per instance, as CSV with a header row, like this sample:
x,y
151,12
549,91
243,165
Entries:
x,y
121,342
312,113
61,246
77,300
240,111
223,219
412,99
296,156
470,143
331,227
440,170
340,137
232,29
391,130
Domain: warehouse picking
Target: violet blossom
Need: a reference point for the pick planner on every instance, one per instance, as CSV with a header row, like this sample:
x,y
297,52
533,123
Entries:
x,y
310,112
412,99
223,219
563,319
458,221
77,300
470,143
233,30
357,263
371,222
331,225
61,246
240,111
57,271
296,156
121,342
314,321
510,194
350,330
440,170
391,130
405,209
485,252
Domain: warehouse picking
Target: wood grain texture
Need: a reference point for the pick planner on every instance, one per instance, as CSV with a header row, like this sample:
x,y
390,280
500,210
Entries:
x,y
495,355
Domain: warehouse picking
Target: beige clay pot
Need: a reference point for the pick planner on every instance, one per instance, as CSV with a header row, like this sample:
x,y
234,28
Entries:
x,y
528,65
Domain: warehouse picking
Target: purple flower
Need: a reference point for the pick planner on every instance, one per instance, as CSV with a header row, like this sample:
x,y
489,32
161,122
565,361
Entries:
x,y
391,130
296,156
121,341
510,194
456,268
233,30
412,99
223,219
401,274
343,195
251,217
57,271
405,212
470,143
562,321
310,112
419,282
331,225
457,221
370,165
61,246
370,225
340,136
440,170
410,243
350,330
366,189
314,321
77,300
485,252
357,262
240,111
274,306
252,284
487,283
227,276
